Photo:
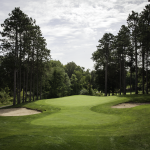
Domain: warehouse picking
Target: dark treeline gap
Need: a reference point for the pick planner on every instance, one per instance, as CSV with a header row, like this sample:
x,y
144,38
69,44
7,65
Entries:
x,y
27,72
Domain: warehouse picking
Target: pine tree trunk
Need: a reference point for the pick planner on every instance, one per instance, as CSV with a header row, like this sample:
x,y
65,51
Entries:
x,y
33,80
30,82
136,73
113,91
19,84
124,76
37,87
18,100
15,70
130,81
41,89
27,78
120,75
20,88
33,86
37,74
106,78
106,67
20,72
143,71
24,87
125,84
147,71
14,99
17,88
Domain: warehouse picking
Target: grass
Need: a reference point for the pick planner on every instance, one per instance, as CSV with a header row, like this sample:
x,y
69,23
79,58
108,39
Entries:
x,y
79,123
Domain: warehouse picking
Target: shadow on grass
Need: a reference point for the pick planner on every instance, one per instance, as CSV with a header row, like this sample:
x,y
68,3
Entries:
x,y
137,98
93,142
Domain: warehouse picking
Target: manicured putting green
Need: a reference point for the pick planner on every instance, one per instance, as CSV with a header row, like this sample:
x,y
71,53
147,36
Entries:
x,y
79,100
75,110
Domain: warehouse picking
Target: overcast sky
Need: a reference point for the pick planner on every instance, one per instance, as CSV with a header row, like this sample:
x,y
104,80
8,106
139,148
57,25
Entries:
x,y
72,28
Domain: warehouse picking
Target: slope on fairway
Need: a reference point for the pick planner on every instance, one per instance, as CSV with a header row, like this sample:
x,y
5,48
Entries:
x,y
75,110
113,129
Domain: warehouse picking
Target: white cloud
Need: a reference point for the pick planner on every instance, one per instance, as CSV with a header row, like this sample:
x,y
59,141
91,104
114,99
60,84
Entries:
x,y
133,6
57,54
58,30
72,27
110,30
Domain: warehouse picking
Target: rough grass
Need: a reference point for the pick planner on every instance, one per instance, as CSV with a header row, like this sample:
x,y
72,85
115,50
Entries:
x,y
79,123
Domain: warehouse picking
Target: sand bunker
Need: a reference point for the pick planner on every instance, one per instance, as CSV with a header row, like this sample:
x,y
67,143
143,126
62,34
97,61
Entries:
x,y
128,105
17,112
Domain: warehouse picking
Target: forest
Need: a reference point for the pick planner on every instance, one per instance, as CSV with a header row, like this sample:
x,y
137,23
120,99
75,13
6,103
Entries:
x,y
27,72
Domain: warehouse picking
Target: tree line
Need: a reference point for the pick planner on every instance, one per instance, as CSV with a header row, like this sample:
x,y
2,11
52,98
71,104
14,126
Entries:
x,y
28,73
24,52
65,80
123,59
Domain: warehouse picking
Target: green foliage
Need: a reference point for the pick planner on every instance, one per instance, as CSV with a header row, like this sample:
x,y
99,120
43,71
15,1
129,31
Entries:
x,y
74,84
88,91
127,52
98,93
25,54
70,68
57,82
84,92
4,95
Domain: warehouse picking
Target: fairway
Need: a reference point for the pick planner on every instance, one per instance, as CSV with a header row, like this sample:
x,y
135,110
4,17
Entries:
x,y
79,123
75,110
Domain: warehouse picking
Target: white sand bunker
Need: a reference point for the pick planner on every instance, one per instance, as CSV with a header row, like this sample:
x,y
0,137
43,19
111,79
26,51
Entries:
x,y
128,105
17,112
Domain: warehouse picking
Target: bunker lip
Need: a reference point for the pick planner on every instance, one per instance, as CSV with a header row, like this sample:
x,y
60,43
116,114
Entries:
x,y
128,105
17,112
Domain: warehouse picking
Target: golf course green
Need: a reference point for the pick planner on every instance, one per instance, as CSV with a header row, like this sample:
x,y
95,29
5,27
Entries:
x,y
79,123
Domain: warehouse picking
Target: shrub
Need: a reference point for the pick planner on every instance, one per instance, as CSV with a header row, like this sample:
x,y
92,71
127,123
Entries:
x,y
84,92
98,93
4,95
92,92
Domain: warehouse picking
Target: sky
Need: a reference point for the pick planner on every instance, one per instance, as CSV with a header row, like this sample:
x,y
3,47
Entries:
x,y
72,28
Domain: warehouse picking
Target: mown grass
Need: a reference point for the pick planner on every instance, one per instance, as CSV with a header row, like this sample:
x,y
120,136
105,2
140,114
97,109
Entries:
x,y
79,123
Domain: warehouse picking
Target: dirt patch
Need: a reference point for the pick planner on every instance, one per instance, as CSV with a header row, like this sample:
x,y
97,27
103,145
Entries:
x,y
128,105
17,112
